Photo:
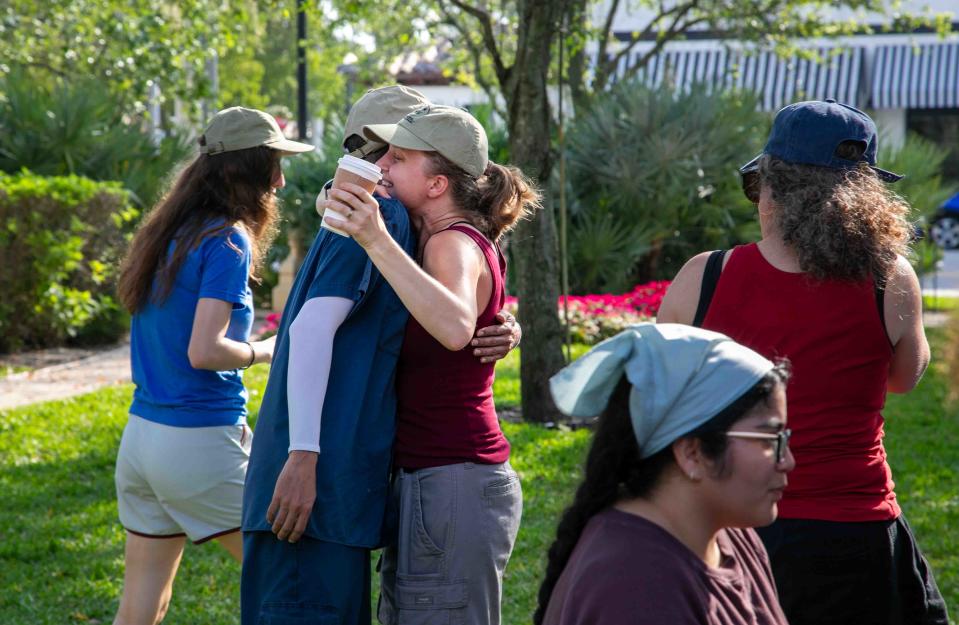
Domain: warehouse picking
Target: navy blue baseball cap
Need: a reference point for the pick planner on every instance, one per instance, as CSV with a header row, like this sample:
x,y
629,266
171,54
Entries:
x,y
809,133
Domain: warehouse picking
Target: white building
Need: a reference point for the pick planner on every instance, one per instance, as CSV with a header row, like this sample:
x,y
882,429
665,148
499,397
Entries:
x,y
907,81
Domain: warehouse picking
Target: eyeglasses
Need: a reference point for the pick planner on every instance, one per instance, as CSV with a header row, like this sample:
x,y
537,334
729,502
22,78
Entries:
x,y
751,186
781,438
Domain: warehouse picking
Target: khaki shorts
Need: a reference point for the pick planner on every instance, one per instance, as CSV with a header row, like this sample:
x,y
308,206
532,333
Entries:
x,y
174,481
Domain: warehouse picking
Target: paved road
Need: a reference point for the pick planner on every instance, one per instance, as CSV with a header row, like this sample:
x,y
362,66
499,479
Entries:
x,y
946,279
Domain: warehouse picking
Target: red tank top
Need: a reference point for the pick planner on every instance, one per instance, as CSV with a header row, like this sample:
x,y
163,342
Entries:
x,y
445,412
833,335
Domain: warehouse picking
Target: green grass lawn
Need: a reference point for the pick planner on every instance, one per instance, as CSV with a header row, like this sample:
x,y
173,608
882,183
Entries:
x,y
11,370
61,547
939,303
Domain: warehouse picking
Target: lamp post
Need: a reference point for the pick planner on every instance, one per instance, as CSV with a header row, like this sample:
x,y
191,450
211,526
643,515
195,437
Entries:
x,y
302,117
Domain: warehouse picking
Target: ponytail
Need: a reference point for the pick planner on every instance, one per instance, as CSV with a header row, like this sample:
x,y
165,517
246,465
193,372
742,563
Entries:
x,y
495,201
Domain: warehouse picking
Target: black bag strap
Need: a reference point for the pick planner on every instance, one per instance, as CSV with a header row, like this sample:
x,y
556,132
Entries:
x,y
879,287
714,267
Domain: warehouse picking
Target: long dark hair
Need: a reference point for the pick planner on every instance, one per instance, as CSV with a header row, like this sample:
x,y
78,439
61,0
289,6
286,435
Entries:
x,y
615,471
495,201
844,224
211,194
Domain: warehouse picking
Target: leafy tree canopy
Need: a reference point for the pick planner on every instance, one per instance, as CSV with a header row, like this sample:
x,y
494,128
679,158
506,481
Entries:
x,y
126,44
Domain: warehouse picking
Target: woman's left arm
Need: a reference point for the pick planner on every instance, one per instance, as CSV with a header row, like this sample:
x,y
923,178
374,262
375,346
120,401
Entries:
x,y
441,295
209,347
903,316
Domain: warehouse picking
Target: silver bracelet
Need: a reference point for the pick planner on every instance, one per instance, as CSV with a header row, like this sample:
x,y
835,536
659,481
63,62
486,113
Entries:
x,y
252,356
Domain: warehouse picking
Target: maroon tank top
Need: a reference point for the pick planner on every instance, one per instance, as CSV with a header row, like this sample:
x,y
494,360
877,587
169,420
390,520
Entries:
x,y
833,335
445,412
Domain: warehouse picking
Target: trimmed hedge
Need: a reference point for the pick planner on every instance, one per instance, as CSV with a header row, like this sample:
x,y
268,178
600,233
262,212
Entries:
x,y
61,239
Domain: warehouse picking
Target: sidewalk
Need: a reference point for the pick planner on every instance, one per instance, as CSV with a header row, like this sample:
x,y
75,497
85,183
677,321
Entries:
x,y
75,377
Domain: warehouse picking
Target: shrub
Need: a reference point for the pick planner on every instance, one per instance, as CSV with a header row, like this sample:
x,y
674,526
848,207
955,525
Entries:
x,y
593,318
79,128
655,179
305,175
60,240
922,162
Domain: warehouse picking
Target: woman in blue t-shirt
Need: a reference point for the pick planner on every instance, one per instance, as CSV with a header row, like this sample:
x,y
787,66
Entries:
x,y
183,457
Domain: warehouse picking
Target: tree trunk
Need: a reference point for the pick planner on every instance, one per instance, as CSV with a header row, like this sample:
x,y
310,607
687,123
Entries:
x,y
534,244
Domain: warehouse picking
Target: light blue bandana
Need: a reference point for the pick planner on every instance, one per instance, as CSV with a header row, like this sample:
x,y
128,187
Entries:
x,y
681,376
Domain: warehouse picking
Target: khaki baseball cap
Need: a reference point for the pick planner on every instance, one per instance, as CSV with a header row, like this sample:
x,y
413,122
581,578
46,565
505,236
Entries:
x,y
451,131
385,105
239,128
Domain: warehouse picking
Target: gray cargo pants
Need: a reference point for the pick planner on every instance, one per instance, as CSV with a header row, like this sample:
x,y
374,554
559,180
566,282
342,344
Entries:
x,y
457,527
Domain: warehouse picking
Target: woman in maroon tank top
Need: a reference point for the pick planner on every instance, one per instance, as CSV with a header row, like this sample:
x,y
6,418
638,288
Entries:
x,y
828,287
459,501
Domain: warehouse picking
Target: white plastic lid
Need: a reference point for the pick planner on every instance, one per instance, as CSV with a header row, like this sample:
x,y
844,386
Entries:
x,y
360,167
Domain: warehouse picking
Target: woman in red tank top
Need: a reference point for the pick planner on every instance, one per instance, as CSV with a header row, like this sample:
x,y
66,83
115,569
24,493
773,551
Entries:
x,y
459,501
828,287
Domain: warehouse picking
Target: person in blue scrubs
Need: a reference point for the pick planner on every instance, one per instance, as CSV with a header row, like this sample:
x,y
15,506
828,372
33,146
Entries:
x,y
316,489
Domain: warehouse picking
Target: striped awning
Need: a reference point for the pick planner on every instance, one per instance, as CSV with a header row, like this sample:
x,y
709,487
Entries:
x,y
916,77
776,80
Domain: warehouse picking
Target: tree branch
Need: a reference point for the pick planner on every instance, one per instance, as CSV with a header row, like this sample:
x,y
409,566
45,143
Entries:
x,y
607,28
476,56
41,65
678,25
489,40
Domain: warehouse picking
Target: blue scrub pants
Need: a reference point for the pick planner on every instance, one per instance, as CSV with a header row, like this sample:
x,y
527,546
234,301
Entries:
x,y
309,582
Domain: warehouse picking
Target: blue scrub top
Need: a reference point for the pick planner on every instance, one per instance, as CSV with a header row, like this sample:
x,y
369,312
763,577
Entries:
x,y
168,389
359,411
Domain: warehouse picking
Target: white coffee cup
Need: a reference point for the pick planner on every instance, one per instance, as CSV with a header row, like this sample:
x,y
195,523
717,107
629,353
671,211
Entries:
x,y
357,171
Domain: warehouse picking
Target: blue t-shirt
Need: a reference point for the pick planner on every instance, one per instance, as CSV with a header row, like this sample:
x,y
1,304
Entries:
x,y
168,389
359,411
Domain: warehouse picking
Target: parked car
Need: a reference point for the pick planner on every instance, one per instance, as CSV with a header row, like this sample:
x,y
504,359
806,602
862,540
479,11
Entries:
x,y
944,230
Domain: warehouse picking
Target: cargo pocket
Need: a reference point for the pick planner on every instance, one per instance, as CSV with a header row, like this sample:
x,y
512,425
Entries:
x,y
432,523
431,603
297,613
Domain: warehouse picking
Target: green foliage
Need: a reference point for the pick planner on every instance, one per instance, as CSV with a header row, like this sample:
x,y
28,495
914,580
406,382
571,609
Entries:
x,y
923,187
655,177
604,249
59,521
922,161
497,134
79,128
125,45
60,241
305,175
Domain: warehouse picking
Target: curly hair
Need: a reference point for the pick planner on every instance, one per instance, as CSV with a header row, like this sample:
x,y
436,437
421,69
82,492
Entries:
x,y
845,224
614,469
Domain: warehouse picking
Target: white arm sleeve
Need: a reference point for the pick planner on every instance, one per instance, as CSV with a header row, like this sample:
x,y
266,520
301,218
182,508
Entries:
x,y
308,373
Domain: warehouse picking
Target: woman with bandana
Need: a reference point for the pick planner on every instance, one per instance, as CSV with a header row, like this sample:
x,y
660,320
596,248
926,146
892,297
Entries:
x,y
690,451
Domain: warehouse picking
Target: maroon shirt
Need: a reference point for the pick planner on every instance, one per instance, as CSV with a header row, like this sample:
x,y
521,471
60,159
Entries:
x,y
445,411
626,570
833,335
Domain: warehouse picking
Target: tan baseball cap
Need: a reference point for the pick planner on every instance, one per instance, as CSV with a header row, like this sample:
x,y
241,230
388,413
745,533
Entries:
x,y
239,128
451,131
385,105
